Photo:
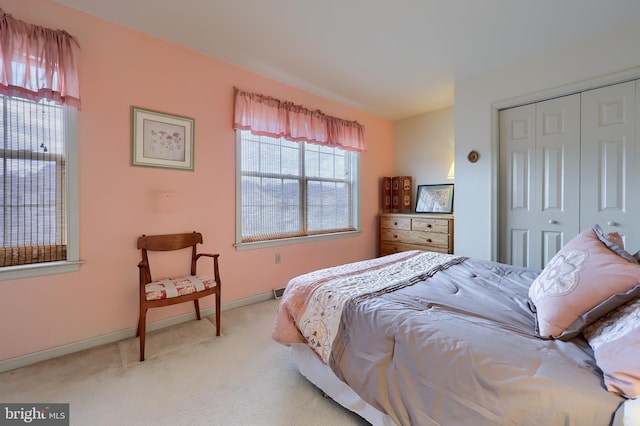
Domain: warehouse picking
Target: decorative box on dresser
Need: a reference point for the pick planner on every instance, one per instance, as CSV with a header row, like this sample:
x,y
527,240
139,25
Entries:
x,y
420,231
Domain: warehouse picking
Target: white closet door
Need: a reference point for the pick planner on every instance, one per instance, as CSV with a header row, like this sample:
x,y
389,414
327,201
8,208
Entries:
x,y
517,163
540,174
609,180
558,151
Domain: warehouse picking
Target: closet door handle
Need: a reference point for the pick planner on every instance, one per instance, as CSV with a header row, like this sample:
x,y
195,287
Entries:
x,y
553,222
612,223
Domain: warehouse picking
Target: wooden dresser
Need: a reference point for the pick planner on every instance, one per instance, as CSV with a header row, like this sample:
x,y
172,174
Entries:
x,y
420,231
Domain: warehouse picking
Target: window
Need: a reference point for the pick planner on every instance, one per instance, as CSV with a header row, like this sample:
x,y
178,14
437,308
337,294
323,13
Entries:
x,y
36,202
297,171
39,94
294,189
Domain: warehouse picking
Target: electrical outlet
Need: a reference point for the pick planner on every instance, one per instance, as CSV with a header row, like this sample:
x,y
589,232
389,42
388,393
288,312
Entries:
x,y
278,258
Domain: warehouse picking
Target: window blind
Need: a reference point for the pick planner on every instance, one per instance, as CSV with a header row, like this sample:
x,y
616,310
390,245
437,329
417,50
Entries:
x,y
294,189
33,182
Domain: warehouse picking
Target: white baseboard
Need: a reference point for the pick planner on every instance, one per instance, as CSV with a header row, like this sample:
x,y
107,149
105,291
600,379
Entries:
x,y
32,358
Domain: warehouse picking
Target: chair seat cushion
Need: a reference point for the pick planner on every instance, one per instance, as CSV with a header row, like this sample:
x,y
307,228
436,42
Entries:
x,y
174,287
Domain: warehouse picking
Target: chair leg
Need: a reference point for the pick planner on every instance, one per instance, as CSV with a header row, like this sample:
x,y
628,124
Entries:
x,y
142,330
139,322
197,305
218,313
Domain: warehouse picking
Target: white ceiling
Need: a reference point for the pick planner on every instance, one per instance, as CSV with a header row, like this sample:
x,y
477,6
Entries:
x,y
393,58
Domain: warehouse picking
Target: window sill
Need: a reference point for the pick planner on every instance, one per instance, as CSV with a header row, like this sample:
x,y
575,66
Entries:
x,y
36,270
295,240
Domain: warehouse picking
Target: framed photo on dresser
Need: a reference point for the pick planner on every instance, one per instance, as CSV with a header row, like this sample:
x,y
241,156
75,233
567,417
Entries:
x,y
435,198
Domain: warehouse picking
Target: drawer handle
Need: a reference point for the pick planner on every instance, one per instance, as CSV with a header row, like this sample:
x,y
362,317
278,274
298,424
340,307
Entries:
x,y
429,240
429,226
395,223
395,236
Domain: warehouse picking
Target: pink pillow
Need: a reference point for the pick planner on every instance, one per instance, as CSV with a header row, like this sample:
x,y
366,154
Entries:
x,y
583,281
615,340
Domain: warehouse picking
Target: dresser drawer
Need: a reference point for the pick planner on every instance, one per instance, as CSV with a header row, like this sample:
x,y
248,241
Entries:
x,y
440,226
395,223
389,247
424,239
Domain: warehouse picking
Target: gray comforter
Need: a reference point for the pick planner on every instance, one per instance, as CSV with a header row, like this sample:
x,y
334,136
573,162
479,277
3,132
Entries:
x,y
459,349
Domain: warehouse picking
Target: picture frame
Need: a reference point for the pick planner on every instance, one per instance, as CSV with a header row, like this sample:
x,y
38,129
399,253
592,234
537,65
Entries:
x,y
435,198
161,140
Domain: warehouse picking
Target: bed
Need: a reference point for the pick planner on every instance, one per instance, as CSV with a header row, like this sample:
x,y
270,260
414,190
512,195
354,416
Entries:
x,y
423,338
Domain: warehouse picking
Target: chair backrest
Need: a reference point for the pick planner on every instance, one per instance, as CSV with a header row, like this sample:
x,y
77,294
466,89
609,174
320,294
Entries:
x,y
168,242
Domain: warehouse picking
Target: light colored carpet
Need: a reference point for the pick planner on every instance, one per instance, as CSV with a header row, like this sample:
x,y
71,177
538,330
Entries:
x,y
167,340
240,378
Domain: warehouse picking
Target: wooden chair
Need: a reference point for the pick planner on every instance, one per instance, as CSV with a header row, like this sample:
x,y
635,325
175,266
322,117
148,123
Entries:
x,y
183,288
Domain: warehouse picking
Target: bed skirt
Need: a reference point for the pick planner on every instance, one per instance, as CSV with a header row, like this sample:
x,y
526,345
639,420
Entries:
x,y
321,376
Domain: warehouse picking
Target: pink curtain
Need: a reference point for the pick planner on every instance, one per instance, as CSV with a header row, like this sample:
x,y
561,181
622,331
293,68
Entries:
x,y
38,63
264,115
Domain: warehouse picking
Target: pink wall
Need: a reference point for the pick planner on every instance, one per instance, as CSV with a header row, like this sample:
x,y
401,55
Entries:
x,y
120,68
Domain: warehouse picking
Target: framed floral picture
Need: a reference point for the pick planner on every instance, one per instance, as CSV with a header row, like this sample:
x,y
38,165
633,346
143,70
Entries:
x,y
161,140
435,198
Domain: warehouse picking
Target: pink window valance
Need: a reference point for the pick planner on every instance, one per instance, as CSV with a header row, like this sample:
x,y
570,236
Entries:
x,y
38,63
267,116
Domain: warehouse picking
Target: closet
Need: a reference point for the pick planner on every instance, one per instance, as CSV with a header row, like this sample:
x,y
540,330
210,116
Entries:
x,y
566,164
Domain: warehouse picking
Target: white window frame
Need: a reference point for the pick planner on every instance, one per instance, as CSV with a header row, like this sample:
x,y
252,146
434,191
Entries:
x,y
73,262
240,245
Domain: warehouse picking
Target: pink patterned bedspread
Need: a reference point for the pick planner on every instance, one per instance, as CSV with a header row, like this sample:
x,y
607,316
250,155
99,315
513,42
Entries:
x,y
311,305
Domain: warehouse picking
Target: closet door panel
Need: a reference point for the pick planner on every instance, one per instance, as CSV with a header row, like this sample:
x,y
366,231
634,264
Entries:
x,y
611,194
609,180
552,242
552,165
558,147
517,163
521,181
519,250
